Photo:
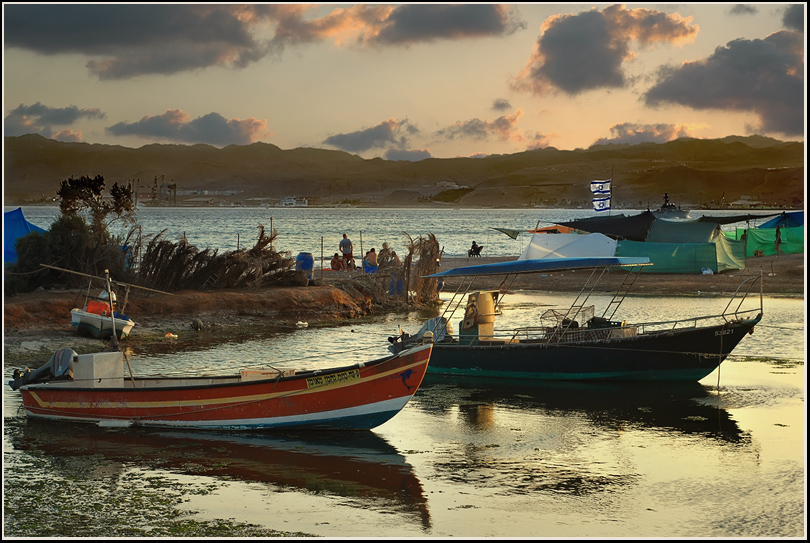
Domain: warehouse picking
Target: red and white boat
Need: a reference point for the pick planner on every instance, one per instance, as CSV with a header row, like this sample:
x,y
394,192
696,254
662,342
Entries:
x,y
94,388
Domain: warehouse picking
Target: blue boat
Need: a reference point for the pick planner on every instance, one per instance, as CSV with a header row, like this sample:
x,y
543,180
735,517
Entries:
x,y
577,344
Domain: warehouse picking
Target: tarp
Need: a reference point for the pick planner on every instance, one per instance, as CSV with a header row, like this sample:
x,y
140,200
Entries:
x,y
790,220
663,231
672,257
762,239
541,265
731,219
635,227
568,245
512,233
15,226
555,229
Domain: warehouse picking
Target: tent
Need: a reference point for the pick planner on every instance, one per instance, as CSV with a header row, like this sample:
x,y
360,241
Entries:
x,y
568,245
15,226
785,220
663,231
762,239
635,227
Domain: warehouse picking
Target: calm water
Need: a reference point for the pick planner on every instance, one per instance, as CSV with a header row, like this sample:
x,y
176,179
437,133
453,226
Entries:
x,y
464,458
306,229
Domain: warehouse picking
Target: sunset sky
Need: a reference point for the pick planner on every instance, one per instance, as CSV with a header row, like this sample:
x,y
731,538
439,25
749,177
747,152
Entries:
x,y
403,81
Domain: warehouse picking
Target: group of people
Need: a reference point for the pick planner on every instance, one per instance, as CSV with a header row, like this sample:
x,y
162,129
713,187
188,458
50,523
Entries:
x,y
344,260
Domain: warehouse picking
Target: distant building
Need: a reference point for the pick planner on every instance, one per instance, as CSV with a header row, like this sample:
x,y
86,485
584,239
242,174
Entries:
x,y
294,201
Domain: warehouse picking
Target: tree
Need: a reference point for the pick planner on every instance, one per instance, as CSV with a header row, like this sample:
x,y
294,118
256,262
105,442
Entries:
x,y
86,194
79,239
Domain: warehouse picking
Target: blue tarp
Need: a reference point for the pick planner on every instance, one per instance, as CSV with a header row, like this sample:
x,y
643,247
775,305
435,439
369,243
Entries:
x,y
785,220
542,264
15,226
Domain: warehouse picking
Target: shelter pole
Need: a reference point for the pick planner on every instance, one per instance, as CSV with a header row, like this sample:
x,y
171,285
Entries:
x,y
321,258
362,258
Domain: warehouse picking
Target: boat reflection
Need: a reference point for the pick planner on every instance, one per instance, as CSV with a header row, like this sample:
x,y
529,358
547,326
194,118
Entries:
x,y
687,408
356,465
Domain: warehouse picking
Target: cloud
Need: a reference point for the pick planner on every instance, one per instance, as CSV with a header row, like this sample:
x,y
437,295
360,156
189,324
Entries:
x,y
763,76
640,133
793,19
503,128
129,40
40,119
412,23
501,104
386,134
743,9
174,125
68,136
413,155
538,141
578,53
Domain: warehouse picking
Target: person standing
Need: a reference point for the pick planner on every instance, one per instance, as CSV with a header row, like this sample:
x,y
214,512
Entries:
x,y
744,239
778,241
346,248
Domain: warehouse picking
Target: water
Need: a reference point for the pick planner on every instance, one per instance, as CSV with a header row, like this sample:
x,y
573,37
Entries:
x,y
310,229
464,458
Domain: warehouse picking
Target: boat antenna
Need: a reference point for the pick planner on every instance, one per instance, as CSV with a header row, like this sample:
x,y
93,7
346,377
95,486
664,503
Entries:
x,y
114,339
112,309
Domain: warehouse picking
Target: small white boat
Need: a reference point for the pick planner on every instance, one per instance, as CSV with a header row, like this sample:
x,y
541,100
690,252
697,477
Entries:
x,y
100,326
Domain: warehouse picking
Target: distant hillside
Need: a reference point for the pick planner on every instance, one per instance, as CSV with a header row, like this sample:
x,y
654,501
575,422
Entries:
x,y
693,172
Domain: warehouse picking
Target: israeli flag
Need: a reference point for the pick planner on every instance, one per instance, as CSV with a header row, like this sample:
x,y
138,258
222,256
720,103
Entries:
x,y
601,204
601,187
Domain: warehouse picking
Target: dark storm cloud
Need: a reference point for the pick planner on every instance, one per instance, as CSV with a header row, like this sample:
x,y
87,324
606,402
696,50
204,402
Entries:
x,y
390,133
582,52
128,40
40,119
412,23
765,77
174,125
793,19
136,39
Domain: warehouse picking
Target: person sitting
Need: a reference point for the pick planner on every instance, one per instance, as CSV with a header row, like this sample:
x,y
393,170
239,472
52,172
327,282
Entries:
x,y
370,262
337,262
475,250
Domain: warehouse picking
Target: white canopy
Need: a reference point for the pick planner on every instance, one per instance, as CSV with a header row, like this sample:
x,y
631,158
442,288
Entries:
x,y
568,245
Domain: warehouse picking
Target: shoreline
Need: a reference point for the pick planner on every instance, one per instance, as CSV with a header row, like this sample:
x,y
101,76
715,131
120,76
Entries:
x,y
36,324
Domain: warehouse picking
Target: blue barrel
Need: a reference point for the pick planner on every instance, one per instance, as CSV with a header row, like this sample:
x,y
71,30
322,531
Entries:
x,y
305,262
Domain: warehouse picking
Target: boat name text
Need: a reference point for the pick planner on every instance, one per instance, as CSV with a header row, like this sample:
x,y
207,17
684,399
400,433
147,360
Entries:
x,y
323,380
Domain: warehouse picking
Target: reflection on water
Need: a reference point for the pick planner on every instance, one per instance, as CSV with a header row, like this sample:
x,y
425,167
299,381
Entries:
x,y
689,408
479,458
361,466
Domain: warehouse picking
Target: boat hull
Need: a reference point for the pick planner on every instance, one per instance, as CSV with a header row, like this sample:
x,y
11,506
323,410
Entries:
x,y
98,326
356,397
677,355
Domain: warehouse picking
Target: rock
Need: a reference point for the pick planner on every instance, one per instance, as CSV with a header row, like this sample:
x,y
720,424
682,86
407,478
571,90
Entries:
x,y
197,324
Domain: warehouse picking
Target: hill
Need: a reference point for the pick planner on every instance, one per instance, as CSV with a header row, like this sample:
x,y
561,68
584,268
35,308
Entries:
x,y
694,172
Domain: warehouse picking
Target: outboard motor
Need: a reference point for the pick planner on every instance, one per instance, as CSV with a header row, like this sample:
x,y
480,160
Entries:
x,y
60,366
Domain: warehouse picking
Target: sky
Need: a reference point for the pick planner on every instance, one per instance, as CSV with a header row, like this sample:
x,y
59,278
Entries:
x,y
403,81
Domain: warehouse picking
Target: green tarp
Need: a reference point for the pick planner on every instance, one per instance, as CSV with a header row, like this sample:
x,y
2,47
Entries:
x,y
663,231
720,255
762,239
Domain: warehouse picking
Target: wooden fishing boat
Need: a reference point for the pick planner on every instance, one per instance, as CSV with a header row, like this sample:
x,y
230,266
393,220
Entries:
x,y
576,344
94,388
